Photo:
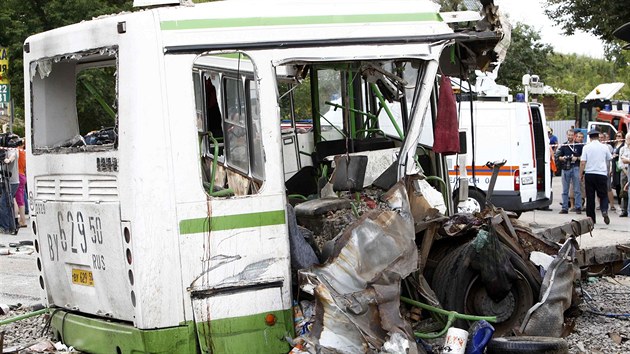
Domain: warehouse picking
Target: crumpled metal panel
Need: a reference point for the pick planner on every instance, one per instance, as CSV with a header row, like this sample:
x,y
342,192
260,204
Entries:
x,y
358,288
546,317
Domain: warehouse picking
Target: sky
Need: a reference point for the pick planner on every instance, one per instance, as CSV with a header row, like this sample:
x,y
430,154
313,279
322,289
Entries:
x,y
531,12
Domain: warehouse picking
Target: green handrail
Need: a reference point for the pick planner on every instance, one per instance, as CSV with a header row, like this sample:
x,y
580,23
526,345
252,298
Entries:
x,y
334,126
210,186
451,315
371,130
336,105
381,99
99,98
444,189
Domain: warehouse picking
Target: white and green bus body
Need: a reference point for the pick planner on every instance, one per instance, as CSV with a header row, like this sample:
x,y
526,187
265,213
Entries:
x,y
139,250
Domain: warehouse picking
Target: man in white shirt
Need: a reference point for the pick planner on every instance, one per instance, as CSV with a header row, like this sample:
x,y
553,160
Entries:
x,y
594,172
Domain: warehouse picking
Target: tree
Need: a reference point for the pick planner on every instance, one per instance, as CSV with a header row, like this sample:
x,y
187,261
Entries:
x,y
600,18
22,18
526,55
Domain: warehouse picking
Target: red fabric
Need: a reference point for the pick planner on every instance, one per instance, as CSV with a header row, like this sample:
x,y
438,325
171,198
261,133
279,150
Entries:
x,y
446,127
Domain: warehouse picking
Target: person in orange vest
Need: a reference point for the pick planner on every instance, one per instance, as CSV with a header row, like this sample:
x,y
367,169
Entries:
x,y
20,195
552,164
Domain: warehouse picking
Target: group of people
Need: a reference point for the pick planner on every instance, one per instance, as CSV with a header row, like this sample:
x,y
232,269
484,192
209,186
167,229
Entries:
x,y
14,182
595,168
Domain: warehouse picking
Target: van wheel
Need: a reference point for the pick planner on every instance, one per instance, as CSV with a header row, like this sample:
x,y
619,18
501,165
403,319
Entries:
x,y
475,202
459,288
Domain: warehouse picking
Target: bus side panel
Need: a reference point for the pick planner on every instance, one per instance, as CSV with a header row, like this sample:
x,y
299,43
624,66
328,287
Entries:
x,y
148,188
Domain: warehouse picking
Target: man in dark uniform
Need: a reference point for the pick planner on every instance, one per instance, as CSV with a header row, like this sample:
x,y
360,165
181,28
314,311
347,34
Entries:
x,y
569,158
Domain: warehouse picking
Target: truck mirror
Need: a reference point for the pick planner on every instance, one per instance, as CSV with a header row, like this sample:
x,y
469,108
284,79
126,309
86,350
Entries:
x,y
462,142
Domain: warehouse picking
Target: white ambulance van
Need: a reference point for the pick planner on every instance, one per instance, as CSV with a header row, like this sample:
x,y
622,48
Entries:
x,y
496,129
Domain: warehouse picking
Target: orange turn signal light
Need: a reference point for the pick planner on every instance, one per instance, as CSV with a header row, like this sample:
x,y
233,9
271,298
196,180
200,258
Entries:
x,y
270,319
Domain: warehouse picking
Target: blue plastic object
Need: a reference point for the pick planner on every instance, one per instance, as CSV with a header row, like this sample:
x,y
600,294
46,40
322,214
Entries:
x,y
520,97
480,334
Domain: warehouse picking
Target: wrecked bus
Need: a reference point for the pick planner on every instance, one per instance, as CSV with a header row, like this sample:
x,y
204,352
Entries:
x,y
172,228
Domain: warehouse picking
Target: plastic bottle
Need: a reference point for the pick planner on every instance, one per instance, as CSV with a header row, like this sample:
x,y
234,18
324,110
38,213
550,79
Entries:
x,y
480,334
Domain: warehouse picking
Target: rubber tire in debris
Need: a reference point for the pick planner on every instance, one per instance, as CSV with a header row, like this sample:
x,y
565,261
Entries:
x,y
528,344
475,194
453,280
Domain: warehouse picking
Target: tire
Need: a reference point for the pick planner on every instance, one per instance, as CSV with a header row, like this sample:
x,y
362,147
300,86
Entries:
x,y
527,344
475,202
459,288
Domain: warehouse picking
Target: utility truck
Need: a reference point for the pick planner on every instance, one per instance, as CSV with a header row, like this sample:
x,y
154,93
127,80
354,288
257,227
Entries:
x,y
162,216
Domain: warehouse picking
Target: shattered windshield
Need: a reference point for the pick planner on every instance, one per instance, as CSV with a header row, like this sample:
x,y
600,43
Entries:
x,y
355,100
74,102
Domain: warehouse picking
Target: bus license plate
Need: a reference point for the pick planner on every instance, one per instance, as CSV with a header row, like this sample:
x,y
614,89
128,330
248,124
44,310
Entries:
x,y
82,277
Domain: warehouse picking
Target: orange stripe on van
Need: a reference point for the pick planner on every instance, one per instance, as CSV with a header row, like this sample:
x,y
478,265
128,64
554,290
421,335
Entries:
x,y
483,170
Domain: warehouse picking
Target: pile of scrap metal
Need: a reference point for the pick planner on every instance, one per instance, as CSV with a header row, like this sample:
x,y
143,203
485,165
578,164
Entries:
x,y
476,264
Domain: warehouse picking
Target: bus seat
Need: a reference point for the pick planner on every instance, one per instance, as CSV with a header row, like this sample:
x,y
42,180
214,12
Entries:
x,y
375,143
303,182
327,148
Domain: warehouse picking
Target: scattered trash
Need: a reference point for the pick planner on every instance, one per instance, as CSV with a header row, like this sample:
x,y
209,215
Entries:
x,y
4,309
455,342
22,247
63,348
615,337
480,335
42,347
396,344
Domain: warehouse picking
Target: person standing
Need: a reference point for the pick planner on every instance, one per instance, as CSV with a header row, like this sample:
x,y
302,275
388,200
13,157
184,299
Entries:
x,y
579,140
568,156
553,140
593,170
617,172
553,145
603,137
7,214
624,165
20,194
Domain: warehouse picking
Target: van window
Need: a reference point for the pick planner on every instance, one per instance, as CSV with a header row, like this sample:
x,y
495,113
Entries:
x,y
228,121
74,102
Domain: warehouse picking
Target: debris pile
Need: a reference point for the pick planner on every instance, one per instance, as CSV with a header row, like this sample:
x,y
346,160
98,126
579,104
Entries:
x,y
379,246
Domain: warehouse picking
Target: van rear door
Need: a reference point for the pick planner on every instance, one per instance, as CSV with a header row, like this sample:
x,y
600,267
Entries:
x,y
526,153
541,151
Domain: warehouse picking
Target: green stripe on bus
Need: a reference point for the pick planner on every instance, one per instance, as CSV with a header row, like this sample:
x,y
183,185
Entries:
x,y
296,20
244,334
230,222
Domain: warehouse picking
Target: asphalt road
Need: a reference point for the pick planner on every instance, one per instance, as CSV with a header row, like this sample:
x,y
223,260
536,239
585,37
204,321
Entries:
x,y
617,232
19,275
18,271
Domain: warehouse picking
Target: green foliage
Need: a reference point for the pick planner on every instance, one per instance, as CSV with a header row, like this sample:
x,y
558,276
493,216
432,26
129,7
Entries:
x,y
22,18
91,112
526,55
599,18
